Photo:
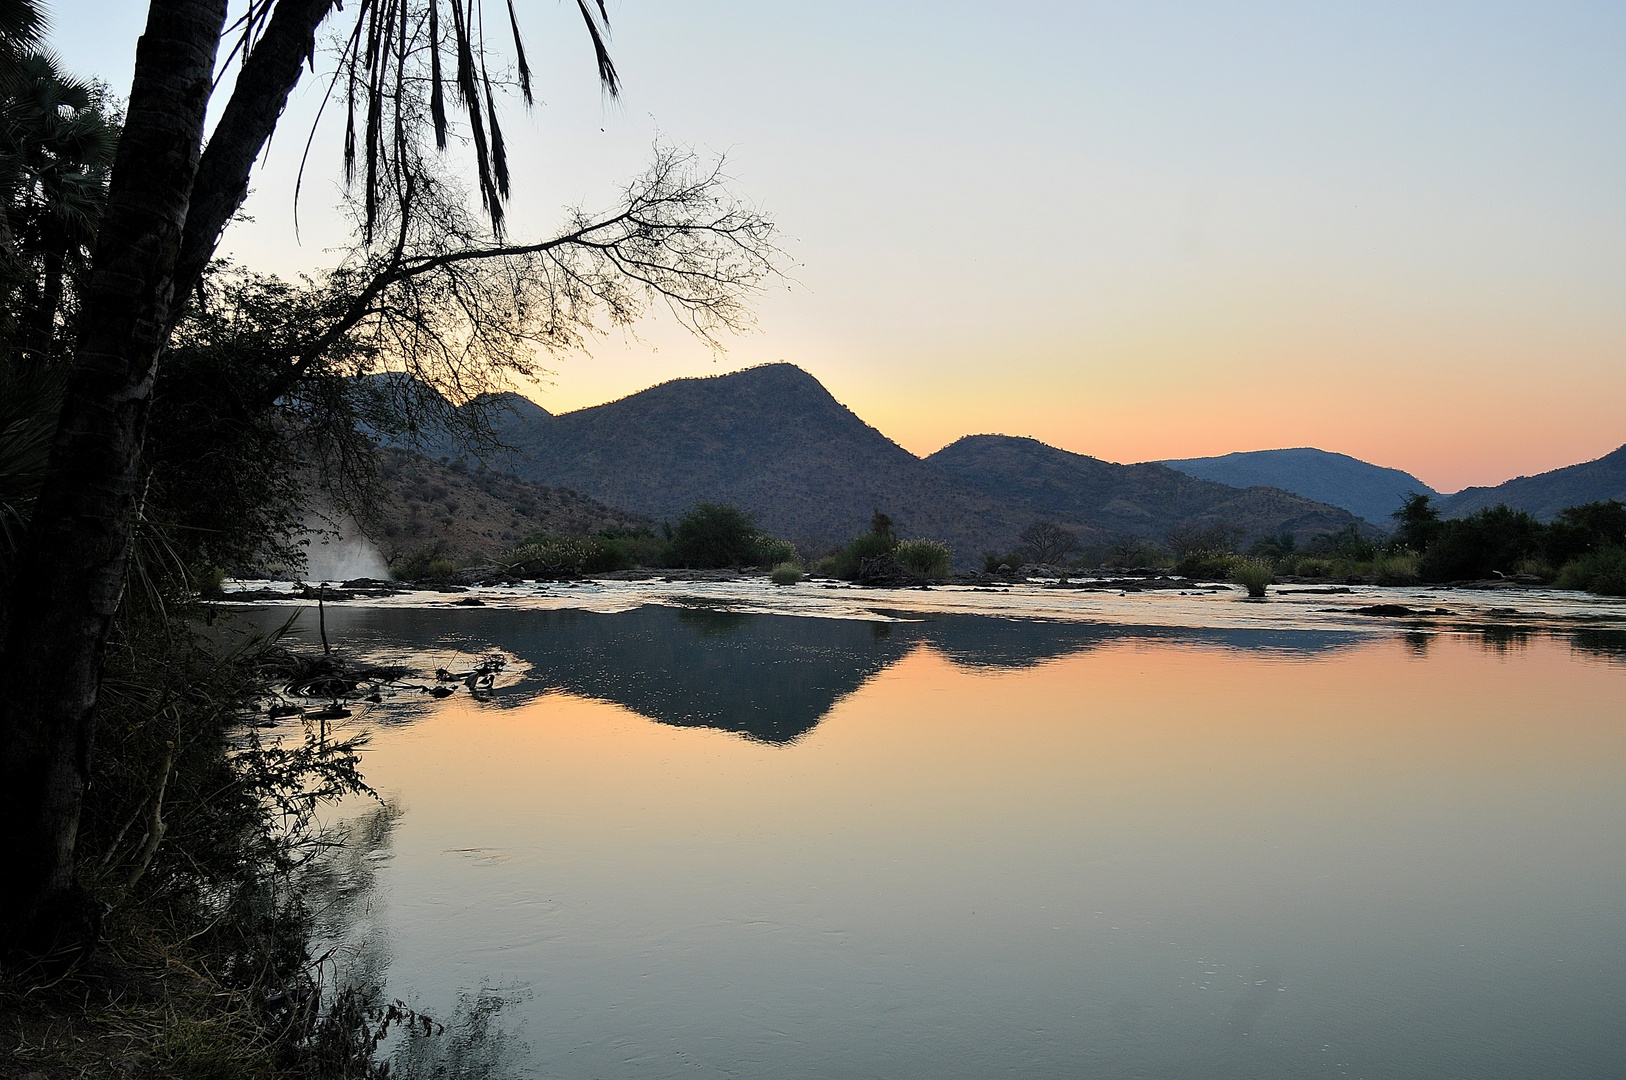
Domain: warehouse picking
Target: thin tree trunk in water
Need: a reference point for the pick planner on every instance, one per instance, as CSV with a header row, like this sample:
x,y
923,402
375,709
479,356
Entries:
x,y
69,574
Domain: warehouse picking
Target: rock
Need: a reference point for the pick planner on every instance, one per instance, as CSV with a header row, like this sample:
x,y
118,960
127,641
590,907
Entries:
x,y
469,601
1394,610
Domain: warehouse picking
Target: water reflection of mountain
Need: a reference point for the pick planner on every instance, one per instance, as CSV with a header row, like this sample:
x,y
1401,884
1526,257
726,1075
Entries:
x,y
767,677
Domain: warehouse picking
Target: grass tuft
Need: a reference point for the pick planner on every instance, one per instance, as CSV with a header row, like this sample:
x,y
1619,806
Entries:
x,y
1252,574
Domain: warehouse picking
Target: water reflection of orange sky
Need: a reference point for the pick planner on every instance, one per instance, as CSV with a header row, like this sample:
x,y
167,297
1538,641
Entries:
x,y
1129,741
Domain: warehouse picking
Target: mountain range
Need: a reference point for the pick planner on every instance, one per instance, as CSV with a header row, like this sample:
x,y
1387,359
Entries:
x,y
771,440
774,442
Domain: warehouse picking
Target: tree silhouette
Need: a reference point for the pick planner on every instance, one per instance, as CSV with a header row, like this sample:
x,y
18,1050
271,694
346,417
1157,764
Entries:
x,y
420,261
1046,541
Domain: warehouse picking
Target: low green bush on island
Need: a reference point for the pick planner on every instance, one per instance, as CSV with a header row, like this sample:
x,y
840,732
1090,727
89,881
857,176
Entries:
x,y
927,560
879,557
1602,572
714,536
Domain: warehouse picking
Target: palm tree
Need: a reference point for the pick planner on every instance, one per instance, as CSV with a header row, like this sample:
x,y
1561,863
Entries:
x,y
22,26
56,148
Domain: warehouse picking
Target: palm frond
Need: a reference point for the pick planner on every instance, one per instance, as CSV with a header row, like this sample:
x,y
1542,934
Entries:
x,y
412,34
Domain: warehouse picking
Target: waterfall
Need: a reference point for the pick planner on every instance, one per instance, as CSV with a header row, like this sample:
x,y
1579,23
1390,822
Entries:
x,y
341,557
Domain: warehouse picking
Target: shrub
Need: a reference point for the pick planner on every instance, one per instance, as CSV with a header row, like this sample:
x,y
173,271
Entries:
x,y
1493,540
1206,565
554,556
786,573
991,561
1536,567
1396,568
927,560
771,552
1602,572
1274,547
1580,529
845,563
714,535
1305,566
210,582
1252,574
426,564
625,549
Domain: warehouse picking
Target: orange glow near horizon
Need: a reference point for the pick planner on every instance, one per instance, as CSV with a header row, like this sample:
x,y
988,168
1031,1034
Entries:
x,y
1450,427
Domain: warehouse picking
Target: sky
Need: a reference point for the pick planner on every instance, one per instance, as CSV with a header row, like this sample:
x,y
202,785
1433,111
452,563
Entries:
x,y
1132,230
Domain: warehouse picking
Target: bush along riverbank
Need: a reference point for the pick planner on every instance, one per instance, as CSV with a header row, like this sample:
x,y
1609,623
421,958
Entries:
x,y
712,538
1584,548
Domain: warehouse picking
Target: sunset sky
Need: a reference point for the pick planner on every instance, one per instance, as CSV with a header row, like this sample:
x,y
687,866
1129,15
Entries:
x,y
1133,230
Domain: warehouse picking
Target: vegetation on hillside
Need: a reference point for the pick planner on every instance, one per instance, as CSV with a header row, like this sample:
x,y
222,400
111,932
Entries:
x,y
470,514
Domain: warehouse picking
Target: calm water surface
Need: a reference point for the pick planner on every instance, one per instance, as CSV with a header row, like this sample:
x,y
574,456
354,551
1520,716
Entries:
x,y
685,843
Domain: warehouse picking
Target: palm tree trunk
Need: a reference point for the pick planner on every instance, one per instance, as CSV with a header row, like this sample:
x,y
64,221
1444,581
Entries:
x,y
68,577
42,330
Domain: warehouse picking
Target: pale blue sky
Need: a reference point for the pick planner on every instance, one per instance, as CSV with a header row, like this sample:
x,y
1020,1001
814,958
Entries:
x,y
1132,230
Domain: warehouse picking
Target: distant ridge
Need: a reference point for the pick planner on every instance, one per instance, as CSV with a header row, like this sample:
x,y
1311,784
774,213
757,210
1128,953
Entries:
x,y
1146,500
1545,494
1366,490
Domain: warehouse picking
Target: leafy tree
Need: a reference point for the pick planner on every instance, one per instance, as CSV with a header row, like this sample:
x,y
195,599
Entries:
x,y
56,146
1582,529
713,536
1345,543
1417,523
1487,542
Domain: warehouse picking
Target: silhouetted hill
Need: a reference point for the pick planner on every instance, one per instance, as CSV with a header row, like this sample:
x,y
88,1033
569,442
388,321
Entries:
x,y
770,440
1365,490
1145,500
1545,494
